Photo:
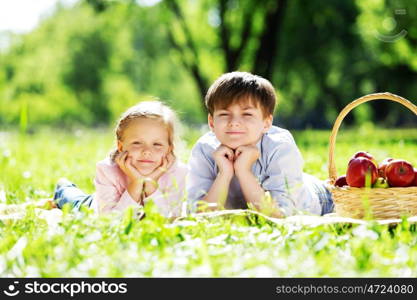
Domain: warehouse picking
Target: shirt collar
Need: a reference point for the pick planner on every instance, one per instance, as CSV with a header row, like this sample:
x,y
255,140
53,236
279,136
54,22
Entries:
x,y
259,143
260,148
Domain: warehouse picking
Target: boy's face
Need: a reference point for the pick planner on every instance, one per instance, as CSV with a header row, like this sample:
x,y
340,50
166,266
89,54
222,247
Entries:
x,y
242,123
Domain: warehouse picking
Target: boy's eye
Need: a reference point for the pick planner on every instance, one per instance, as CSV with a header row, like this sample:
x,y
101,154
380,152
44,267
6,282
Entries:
x,y
157,144
247,114
222,115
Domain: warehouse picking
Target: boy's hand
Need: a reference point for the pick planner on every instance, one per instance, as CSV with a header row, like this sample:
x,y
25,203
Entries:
x,y
125,164
245,157
224,157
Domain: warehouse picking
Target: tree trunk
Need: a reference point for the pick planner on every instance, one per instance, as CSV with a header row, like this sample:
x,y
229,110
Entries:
x,y
267,49
193,65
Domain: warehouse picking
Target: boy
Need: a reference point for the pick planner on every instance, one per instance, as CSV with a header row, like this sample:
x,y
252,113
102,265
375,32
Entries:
x,y
244,160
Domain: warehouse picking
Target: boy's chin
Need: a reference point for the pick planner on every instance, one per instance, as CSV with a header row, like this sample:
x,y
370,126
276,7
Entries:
x,y
236,144
233,146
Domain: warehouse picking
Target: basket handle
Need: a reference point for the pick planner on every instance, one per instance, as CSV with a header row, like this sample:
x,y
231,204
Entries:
x,y
346,110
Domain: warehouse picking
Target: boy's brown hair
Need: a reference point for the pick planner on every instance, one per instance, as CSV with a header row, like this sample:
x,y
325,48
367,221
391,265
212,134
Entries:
x,y
241,86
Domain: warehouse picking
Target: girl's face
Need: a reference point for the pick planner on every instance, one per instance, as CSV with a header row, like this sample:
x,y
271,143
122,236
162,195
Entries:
x,y
147,143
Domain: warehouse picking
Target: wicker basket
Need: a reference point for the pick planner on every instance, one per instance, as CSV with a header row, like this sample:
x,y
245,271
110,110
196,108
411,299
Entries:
x,y
388,203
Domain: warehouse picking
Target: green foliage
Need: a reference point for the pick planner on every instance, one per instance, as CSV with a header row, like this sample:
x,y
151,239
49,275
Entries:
x,y
98,247
86,67
76,245
87,63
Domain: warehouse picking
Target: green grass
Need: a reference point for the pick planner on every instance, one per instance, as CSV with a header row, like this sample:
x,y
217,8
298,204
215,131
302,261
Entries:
x,y
118,246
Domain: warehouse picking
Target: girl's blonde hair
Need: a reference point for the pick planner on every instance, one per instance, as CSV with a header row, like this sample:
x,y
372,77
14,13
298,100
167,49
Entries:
x,y
151,110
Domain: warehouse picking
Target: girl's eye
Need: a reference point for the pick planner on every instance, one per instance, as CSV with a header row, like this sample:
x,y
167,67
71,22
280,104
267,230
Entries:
x,y
157,145
222,115
136,143
247,114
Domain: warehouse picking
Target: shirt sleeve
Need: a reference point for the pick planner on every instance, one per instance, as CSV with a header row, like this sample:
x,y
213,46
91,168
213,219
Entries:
x,y
201,176
169,197
284,180
108,197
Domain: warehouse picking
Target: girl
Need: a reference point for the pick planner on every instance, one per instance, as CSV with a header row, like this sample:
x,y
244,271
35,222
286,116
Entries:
x,y
142,167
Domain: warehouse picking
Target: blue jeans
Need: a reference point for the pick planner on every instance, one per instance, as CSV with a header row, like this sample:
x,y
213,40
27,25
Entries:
x,y
325,197
67,192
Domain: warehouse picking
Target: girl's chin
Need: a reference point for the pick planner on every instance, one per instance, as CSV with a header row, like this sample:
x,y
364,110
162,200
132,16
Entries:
x,y
145,172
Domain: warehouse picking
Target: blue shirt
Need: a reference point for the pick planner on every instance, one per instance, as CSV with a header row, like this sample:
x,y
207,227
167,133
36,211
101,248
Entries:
x,y
279,171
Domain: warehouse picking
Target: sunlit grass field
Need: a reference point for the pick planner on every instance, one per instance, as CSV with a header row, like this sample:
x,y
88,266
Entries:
x,y
69,245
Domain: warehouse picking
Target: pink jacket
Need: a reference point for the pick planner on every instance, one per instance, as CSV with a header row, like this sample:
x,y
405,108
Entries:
x,y
112,195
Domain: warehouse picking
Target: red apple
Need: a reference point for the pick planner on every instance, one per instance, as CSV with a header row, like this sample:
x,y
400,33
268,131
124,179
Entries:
x,y
400,173
366,155
383,165
357,171
341,181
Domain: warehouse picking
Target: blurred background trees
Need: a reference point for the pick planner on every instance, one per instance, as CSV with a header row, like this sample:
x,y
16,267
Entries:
x,y
87,63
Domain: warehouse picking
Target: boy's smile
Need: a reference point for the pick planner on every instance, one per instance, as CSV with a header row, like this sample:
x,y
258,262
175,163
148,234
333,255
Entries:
x,y
241,123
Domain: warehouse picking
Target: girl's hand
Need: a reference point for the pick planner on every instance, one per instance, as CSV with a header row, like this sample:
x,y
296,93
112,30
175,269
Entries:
x,y
135,179
166,163
151,182
125,164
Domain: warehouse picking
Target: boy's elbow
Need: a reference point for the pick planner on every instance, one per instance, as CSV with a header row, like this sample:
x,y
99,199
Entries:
x,y
277,214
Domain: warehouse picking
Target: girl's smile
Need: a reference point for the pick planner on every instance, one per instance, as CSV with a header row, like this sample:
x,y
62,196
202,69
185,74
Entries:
x,y
147,143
